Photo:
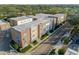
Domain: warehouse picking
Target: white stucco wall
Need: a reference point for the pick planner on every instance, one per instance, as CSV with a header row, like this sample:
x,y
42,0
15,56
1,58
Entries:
x,y
24,21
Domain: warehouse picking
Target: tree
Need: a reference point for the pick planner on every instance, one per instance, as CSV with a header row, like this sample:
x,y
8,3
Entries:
x,y
61,51
74,21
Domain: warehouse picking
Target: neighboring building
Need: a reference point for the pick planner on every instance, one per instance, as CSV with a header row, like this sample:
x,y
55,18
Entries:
x,y
60,18
50,17
55,19
4,25
4,28
20,20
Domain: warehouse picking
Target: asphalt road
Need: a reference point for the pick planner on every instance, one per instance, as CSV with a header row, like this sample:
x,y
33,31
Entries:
x,y
46,46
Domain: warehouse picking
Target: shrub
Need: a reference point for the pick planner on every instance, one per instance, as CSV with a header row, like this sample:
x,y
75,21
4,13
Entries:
x,y
66,41
61,51
51,31
35,42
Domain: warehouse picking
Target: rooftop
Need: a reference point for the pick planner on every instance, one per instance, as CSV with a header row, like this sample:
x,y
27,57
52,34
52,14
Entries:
x,y
29,25
20,18
2,22
42,15
59,15
32,16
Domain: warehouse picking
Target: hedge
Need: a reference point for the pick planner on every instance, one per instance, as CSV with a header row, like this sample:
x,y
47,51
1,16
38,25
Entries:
x,y
26,49
43,36
34,42
14,45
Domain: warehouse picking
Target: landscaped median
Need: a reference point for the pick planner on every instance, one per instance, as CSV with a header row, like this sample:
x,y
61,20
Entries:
x,y
26,49
44,36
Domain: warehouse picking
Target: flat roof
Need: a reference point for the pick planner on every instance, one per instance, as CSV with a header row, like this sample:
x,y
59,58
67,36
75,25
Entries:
x,y
20,18
2,22
59,15
42,15
28,25
32,16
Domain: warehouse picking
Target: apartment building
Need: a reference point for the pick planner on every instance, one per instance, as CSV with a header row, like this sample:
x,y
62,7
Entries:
x,y
4,25
25,34
57,18
52,18
20,20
